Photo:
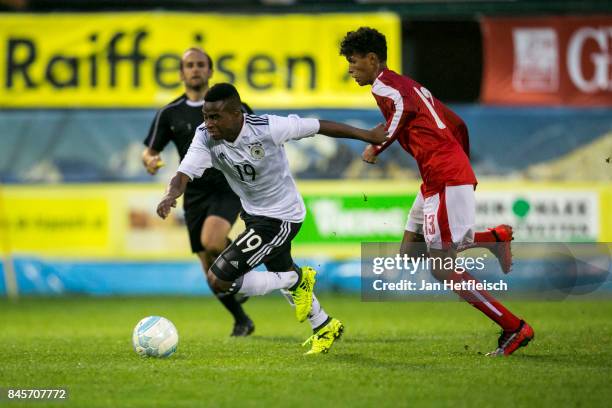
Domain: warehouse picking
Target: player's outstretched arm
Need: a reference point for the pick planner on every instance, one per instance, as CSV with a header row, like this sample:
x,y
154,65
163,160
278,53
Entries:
x,y
151,160
175,189
334,129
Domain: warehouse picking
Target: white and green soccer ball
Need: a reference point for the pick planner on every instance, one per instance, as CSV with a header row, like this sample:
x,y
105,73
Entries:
x,y
155,336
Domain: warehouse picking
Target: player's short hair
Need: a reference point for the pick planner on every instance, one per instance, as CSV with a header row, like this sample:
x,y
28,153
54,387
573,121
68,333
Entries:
x,y
224,92
363,41
198,49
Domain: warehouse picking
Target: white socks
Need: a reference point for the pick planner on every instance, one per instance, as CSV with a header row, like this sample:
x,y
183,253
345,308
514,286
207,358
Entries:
x,y
317,315
262,283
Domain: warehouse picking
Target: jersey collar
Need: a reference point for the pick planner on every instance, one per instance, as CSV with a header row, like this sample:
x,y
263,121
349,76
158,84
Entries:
x,y
194,104
381,74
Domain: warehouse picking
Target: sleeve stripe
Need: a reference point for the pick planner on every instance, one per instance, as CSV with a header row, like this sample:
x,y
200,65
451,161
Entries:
x,y
156,126
387,91
256,120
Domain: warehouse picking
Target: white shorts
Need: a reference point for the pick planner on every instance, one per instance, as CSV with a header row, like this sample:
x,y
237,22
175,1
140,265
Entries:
x,y
445,219
415,216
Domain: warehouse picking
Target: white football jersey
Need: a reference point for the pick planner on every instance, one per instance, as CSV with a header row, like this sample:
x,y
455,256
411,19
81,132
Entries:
x,y
255,164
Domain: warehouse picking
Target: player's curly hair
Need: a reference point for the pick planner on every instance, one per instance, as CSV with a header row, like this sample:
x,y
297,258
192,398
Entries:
x,y
363,41
221,92
224,92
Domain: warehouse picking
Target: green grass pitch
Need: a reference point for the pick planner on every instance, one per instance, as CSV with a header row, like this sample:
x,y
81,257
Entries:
x,y
392,354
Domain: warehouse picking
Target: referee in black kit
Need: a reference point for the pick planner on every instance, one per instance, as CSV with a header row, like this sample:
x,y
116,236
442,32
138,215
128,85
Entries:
x,y
211,207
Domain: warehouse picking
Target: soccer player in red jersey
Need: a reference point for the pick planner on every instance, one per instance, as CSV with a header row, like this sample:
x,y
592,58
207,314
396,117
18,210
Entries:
x,y
444,212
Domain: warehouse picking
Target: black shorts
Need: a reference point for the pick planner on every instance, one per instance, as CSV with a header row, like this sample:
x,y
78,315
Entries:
x,y
222,204
265,240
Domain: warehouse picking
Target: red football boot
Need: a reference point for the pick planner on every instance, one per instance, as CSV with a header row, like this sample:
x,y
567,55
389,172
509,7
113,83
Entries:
x,y
502,249
509,342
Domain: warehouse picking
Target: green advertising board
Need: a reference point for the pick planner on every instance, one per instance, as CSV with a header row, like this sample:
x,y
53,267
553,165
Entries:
x,y
354,218
340,216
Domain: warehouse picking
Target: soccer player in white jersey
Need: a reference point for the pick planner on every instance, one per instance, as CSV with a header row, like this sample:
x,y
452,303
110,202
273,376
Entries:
x,y
249,150
211,207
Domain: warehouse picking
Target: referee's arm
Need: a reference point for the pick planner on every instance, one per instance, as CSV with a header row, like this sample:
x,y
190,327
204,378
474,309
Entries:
x,y
159,135
151,160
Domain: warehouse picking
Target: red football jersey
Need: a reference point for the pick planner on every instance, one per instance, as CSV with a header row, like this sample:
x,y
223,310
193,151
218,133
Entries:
x,y
433,134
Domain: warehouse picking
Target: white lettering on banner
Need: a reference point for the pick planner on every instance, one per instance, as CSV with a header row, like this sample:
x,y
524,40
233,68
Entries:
x,y
332,219
601,80
536,60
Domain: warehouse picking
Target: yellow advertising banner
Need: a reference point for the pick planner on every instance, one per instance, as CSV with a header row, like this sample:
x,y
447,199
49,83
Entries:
x,y
55,221
132,59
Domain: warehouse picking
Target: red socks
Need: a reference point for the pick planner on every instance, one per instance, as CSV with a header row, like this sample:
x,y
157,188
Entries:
x,y
481,240
482,237
486,303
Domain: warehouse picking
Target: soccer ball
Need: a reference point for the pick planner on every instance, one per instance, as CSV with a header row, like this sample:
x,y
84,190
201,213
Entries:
x,y
155,336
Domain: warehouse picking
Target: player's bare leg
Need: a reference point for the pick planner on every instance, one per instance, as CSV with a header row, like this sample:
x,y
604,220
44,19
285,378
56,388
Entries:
x,y
516,332
412,244
214,239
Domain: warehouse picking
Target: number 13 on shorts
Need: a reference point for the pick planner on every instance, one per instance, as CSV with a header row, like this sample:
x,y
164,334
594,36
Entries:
x,y
431,230
430,224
